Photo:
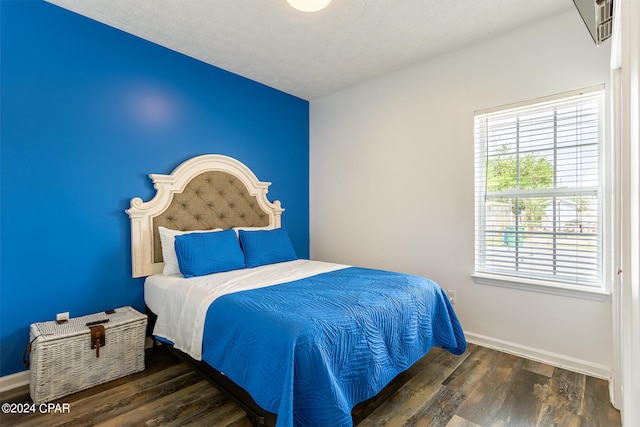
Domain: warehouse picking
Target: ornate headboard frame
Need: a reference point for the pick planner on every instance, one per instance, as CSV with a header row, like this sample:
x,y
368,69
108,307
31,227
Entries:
x,y
205,192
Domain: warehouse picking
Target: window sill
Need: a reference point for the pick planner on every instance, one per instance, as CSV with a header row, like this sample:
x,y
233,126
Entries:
x,y
532,285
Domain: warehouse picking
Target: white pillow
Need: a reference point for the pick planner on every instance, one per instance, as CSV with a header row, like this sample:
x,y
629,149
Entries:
x,y
167,241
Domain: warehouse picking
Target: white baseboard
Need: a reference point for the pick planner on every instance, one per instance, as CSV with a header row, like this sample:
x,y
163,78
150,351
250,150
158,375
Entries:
x,y
9,382
553,359
20,379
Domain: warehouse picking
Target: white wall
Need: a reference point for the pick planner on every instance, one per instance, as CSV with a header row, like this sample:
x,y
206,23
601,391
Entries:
x,y
391,182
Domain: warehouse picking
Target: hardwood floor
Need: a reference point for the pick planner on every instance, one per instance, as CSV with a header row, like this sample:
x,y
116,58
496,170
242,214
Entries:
x,y
482,387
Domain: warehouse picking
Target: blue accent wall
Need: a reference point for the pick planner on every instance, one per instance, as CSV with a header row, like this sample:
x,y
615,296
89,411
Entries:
x,y
87,112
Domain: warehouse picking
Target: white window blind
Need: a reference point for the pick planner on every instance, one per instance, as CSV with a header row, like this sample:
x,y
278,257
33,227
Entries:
x,y
538,189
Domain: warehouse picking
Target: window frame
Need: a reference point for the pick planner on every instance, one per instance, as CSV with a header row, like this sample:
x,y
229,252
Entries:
x,y
598,291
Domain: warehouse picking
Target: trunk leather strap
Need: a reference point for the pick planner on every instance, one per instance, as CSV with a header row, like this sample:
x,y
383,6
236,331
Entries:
x,y
97,338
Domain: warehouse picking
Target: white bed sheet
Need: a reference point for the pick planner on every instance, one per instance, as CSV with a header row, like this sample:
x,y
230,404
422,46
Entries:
x,y
181,304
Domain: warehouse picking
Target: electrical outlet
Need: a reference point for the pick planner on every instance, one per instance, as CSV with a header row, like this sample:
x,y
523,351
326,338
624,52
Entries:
x,y
62,317
452,296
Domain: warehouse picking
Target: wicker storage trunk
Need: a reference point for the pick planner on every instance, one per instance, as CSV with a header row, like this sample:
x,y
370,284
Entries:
x,y
63,362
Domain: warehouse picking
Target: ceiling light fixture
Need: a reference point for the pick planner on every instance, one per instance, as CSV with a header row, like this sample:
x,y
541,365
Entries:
x,y
309,5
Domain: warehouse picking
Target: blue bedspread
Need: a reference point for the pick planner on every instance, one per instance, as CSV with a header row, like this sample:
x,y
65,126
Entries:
x,y
311,349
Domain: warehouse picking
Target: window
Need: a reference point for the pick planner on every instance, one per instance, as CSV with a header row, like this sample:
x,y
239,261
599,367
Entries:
x,y
538,187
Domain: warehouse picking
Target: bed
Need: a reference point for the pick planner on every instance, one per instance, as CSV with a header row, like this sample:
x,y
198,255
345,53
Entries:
x,y
293,341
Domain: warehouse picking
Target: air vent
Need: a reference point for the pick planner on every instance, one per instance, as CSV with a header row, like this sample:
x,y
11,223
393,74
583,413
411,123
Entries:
x,y
597,16
604,14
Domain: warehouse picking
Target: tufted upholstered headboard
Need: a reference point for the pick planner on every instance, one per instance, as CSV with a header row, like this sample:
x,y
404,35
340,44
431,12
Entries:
x,y
204,192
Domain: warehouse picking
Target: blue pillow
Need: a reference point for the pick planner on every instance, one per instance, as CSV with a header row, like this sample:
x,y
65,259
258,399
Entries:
x,y
206,253
266,247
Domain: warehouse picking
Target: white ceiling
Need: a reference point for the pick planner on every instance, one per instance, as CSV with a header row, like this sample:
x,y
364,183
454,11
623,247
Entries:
x,y
310,55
